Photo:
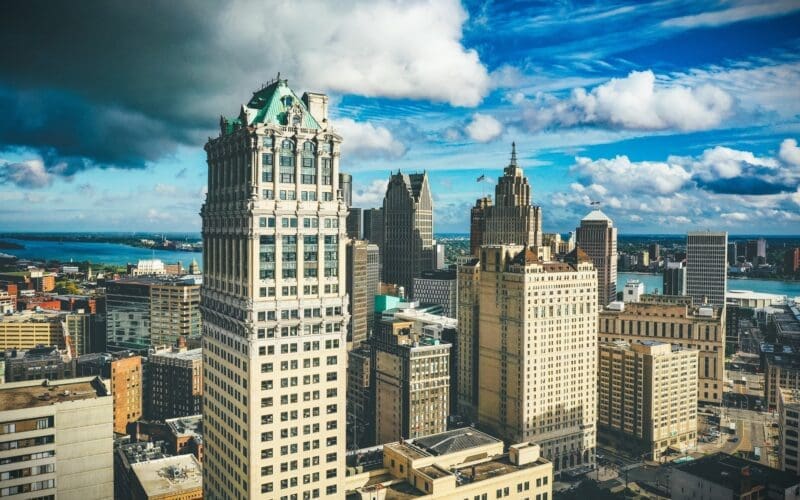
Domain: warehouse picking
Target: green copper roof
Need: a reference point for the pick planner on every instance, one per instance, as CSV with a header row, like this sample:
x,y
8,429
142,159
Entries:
x,y
273,104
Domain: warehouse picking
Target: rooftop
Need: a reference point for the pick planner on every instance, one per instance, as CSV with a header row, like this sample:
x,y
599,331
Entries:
x,y
35,393
186,426
454,441
724,469
169,476
175,353
596,216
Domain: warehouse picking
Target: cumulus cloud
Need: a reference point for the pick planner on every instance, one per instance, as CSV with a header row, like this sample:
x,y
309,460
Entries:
x,y
635,102
26,174
116,104
789,152
365,139
370,195
620,174
484,128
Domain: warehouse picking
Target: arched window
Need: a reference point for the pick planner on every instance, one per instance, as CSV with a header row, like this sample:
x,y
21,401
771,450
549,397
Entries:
x,y
308,147
287,144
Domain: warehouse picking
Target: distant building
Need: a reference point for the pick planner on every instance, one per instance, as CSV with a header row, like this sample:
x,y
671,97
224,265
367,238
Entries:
x,y
360,406
373,226
149,267
357,292
597,236
461,463
176,383
401,359
407,248
647,396
674,279
353,224
676,322
720,475
43,362
633,291
346,188
194,268
28,329
706,267
34,279
732,254
791,261
654,251
756,251
373,282
438,287
59,437
169,478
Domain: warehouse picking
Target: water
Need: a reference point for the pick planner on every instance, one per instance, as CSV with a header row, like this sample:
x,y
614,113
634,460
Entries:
x,y
101,253
653,282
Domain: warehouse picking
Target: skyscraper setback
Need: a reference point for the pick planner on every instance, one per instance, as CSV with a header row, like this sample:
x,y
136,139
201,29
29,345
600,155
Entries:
x,y
273,302
597,236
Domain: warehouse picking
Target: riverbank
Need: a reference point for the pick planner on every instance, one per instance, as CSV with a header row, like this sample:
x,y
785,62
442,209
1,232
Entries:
x,y
653,284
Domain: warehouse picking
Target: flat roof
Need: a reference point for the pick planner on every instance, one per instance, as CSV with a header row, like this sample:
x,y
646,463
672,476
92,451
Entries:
x,y
724,469
498,466
190,354
33,393
169,476
186,426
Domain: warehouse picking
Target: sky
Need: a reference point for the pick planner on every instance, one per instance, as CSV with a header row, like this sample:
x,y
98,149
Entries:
x,y
674,115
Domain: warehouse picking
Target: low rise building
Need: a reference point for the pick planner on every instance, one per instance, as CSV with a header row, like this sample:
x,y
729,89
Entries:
x,y
723,476
42,362
647,397
56,439
170,478
457,464
28,329
176,383
128,454
186,436
633,291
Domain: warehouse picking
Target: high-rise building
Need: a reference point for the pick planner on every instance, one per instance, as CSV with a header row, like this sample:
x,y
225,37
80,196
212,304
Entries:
x,y
468,289
511,219
373,282
360,406
125,373
438,287
597,236
357,292
732,254
147,312
674,279
654,251
706,267
530,343
346,188
410,381
647,395
176,383
373,226
353,224
673,320
756,251
274,315
56,439
408,229
791,261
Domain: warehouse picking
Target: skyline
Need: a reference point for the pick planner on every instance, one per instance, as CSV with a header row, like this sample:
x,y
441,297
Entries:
x,y
687,120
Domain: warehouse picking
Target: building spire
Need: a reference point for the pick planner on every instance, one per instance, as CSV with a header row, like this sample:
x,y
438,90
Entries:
x,y
514,154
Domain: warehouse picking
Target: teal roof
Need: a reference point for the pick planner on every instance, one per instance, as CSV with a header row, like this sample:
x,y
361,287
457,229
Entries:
x,y
272,104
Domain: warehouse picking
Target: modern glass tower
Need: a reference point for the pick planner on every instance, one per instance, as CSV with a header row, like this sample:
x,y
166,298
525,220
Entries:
x,y
273,302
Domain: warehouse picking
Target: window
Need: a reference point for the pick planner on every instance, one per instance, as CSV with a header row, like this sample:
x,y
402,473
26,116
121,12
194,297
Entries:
x,y
287,145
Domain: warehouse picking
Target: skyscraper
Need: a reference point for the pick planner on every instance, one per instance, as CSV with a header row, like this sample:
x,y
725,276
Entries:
x,y
531,344
706,267
674,279
273,302
511,219
357,292
597,236
408,229
373,226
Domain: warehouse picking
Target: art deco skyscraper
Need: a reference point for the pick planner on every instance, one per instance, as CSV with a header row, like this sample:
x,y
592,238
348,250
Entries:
x,y
408,230
597,236
511,220
273,302
707,267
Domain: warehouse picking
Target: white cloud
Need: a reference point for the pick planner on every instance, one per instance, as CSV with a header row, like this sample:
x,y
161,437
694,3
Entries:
x,y
635,103
789,152
377,48
733,14
621,175
735,216
370,195
484,128
26,174
365,139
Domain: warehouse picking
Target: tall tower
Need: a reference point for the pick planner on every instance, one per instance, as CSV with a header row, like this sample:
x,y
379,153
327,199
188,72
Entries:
x,y
597,236
706,267
511,220
273,302
408,229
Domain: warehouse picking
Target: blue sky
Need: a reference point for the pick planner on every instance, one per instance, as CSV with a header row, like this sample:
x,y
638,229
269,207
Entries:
x,y
675,115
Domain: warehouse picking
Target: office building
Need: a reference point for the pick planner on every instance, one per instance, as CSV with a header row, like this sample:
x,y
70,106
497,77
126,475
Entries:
x,y
29,329
781,372
732,254
410,381
176,383
356,256
346,188
674,279
706,267
676,321
42,362
169,478
275,379
511,219
720,475
150,311
373,226
56,439
468,289
756,251
373,283
633,291
789,422
541,343
354,224
407,248
360,406
125,373
654,252
462,463
438,287
597,236
647,397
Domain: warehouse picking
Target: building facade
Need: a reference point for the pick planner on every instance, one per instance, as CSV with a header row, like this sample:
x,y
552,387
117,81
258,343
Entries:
x,y
373,226
56,440
28,329
373,283
597,236
647,396
176,383
274,324
789,422
407,230
438,287
360,405
674,279
467,346
357,292
537,327
706,267
675,322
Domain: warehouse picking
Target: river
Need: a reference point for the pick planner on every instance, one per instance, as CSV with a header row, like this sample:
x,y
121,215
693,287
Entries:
x,y
653,282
